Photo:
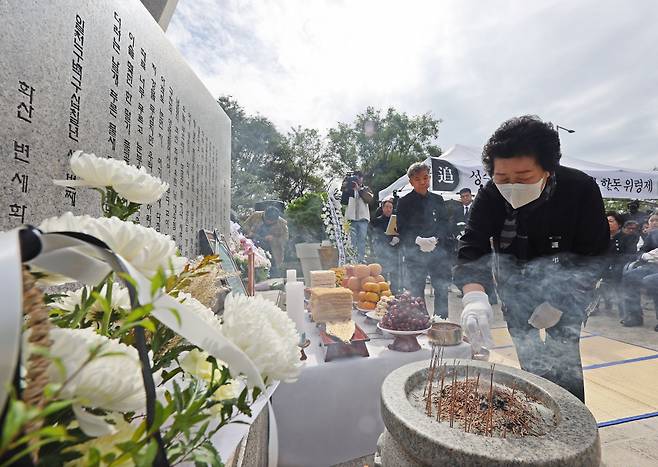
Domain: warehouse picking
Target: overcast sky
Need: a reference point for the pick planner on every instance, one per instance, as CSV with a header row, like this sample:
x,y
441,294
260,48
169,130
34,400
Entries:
x,y
590,65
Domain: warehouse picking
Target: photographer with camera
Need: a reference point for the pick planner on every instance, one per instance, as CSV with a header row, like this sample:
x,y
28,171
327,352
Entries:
x,y
356,196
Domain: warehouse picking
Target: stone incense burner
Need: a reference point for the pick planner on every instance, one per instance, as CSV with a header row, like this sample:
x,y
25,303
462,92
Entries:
x,y
411,438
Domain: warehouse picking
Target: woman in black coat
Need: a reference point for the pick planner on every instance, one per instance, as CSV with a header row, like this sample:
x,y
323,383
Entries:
x,y
621,250
545,227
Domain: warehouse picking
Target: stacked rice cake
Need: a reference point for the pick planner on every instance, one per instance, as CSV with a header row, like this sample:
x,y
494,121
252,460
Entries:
x,y
331,304
325,279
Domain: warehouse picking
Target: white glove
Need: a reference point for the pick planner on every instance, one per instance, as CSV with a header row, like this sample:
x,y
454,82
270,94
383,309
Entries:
x,y
426,244
651,256
545,316
476,318
394,241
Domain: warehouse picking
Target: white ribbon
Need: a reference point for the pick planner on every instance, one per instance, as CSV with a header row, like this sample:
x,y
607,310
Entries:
x,y
11,316
89,264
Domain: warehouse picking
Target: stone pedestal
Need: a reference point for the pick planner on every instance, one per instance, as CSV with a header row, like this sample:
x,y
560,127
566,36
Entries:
x,y
413,439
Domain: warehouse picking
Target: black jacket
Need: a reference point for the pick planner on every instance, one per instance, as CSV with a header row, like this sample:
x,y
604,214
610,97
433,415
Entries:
x,y
380,241
622,249
459,213
458,216
559,245
422,216
623,245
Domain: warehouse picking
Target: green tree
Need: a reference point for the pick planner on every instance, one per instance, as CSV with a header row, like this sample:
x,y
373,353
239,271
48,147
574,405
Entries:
x,y
305,218
382,144
254,143
298,165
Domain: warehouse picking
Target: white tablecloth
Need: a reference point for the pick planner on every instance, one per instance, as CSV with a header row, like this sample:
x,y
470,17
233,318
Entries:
x,y
331,413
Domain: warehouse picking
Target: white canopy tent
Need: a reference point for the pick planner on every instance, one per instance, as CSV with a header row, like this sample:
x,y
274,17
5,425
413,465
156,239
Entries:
x,y
461,167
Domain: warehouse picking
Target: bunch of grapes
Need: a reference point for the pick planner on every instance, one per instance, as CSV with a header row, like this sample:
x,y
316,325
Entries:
x,y
406,313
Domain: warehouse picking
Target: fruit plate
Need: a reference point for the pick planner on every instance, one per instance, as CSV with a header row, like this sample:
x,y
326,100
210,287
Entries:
x,y
404,341
373,315
403,333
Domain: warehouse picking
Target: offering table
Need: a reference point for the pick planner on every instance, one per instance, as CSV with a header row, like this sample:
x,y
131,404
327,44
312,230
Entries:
x,y
331,414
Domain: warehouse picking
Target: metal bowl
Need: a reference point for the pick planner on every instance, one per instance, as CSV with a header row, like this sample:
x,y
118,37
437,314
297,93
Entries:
x,y
445,334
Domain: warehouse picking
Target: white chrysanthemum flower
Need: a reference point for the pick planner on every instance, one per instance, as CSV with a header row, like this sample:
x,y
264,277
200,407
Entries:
x,y
132,183
199,309
265,333
67,222
112,382
145,248
120,299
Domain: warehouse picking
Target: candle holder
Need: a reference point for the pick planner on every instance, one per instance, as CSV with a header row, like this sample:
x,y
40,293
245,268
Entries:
x,y
303,343
251,273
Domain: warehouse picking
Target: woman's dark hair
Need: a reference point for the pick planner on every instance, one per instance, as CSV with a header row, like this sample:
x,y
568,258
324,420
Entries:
x,y
618,217
524,136
387,200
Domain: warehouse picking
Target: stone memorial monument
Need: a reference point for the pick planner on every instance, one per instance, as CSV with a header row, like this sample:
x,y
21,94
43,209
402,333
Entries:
x,y
161,10
103,78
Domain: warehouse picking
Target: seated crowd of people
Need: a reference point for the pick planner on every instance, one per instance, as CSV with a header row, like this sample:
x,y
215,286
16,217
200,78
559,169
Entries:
x,y
633,265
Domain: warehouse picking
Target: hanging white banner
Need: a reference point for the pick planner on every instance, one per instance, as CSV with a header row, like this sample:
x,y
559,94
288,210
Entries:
x,y
461,167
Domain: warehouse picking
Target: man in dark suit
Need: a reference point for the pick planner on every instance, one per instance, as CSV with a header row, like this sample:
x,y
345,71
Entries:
x,y
461,214
466,198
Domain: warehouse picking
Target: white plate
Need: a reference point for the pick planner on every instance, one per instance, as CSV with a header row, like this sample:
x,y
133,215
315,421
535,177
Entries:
x,y
372,315
403,333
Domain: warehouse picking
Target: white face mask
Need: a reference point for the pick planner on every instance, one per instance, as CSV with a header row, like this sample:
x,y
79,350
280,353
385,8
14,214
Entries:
x,y
520,194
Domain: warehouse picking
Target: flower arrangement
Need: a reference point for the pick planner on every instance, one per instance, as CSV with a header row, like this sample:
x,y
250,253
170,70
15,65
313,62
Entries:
x,y
240,246
93,408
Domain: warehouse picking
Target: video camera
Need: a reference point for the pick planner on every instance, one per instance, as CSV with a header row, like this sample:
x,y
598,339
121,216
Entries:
x,y
350,179
348,186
